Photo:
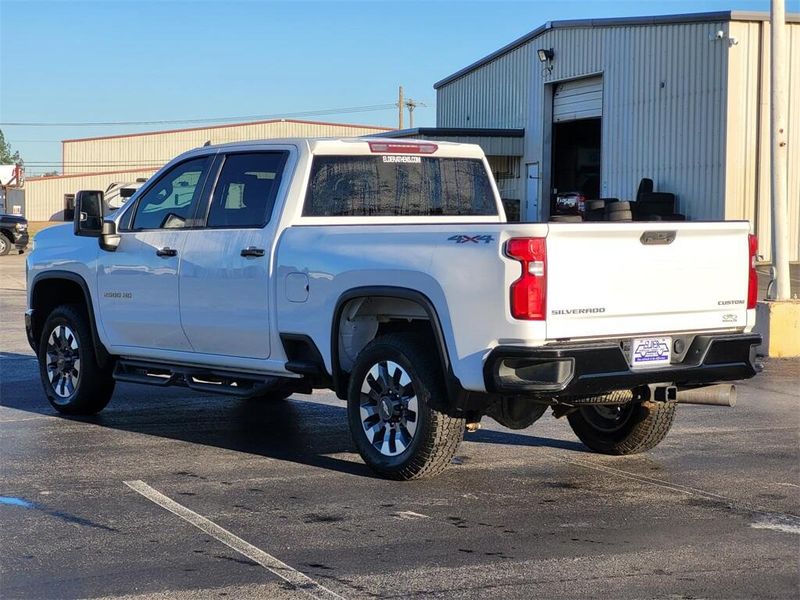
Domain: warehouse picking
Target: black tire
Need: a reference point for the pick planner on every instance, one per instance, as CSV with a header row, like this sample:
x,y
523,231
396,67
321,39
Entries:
x,y
620,215
596,215
639,426
82,388
620,205
389,409
595,205
5,244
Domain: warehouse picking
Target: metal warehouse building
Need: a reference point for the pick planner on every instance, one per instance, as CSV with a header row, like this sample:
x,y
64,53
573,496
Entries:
x,y
96,163
683,100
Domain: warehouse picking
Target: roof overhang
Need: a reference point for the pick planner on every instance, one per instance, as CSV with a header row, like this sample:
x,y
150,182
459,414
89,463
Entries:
x,y
707,17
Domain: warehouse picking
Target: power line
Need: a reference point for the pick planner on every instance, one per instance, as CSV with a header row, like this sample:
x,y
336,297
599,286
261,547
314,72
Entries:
x,y
310,113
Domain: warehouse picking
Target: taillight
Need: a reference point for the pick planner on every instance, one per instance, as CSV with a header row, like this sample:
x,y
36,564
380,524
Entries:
x,y
752,284
529,292
402,148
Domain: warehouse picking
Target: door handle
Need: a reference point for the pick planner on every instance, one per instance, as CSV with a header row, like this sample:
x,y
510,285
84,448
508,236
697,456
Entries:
x,y
252,251
166,251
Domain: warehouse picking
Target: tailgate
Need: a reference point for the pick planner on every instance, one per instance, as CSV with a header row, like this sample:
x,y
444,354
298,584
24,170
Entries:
x,y
632,278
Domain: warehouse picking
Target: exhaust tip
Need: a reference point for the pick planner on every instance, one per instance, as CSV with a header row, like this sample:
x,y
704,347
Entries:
x,y
712,395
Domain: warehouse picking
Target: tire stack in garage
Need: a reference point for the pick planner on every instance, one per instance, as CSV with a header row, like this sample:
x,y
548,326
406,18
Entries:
x,y
596,209
619,211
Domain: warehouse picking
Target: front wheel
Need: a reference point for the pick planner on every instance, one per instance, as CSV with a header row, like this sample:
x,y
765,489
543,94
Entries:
x,y
5,244
623,429
394,408
73,380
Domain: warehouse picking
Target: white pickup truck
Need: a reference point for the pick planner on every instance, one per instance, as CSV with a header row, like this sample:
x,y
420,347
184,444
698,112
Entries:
x,y
385,270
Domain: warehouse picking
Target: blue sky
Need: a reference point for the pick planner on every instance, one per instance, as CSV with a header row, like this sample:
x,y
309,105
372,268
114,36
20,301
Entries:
x,y
135,61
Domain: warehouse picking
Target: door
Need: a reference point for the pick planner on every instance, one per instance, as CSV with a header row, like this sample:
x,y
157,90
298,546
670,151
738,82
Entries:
x,y
138,284
225,271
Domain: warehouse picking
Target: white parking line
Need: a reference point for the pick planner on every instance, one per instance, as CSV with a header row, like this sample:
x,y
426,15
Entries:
x,y
281,569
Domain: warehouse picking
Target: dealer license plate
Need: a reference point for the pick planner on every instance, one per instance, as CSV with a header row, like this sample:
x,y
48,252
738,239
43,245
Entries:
x,y
651,352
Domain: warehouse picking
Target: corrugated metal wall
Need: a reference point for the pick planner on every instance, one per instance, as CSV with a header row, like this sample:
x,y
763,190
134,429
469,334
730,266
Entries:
x,y
496,95
748,183
44,196
664,99
156,149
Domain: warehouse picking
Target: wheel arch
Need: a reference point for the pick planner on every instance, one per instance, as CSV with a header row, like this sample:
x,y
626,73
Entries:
x,y
71,288
341,376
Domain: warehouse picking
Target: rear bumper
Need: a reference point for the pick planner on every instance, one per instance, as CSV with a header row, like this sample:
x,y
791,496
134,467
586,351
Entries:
x,y
595,368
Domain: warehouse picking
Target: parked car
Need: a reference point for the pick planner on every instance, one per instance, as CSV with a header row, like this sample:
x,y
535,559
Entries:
x,y
386,271
13,234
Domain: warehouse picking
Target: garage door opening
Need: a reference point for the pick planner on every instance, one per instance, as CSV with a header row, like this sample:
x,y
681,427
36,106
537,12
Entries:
x,y
576,163
576,144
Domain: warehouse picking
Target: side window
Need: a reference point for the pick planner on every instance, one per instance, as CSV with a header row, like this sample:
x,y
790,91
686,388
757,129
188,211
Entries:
x,y
246,189
170,203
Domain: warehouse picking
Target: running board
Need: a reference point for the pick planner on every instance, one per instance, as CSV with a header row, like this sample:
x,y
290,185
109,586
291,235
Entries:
x,y
203,380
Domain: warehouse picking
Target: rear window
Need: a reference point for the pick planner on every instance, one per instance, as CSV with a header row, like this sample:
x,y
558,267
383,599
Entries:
x,y
395,186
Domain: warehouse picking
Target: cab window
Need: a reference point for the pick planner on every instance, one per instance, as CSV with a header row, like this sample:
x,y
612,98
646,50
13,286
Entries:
x,y
246,189
171,202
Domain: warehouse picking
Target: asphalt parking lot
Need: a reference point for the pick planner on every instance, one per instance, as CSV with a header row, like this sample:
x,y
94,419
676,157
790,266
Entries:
x,y
711,513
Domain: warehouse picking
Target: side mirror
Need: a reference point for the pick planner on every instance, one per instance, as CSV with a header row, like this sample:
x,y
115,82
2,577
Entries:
x,y
88,220
109,240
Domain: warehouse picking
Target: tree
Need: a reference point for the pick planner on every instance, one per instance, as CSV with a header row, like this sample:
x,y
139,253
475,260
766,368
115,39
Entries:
x,y
7,157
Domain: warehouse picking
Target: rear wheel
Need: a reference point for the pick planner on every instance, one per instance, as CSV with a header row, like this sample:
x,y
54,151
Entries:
x,y
74,382
623,429
393,405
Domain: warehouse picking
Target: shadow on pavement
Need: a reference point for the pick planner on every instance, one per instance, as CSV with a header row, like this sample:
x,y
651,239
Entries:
x,y
295,430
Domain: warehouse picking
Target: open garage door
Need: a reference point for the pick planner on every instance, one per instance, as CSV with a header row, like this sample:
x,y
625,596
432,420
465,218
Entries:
x,y
579,99
576,144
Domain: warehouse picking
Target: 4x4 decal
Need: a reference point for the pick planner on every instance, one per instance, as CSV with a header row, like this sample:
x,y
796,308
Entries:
x,y
473,239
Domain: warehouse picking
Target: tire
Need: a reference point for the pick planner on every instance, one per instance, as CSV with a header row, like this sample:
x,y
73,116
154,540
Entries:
x,y
637,427
5,244
595,205
620,205
73,381
620,215
596,215
395,391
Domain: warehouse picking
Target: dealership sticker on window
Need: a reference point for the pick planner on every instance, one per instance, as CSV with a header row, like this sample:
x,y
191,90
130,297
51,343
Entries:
x,y
651,352
402,159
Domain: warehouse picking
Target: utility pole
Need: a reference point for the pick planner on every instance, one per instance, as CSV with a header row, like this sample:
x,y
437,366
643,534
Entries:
x,y
779,139
400,106
412,104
